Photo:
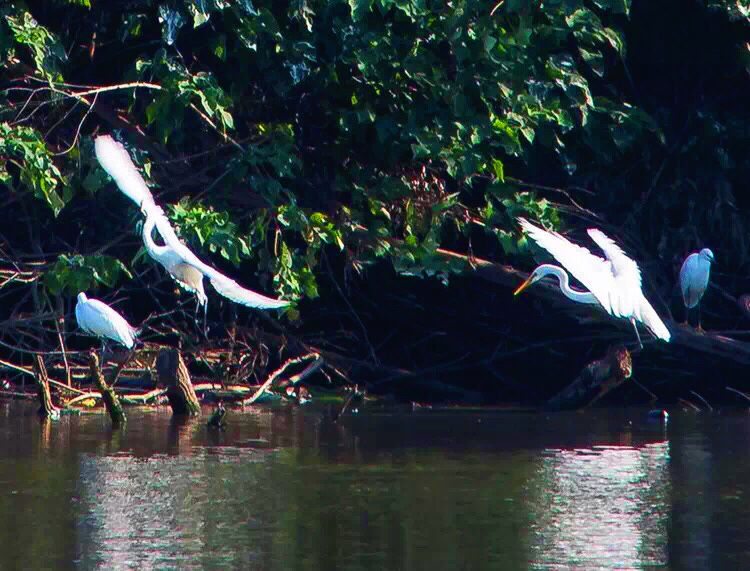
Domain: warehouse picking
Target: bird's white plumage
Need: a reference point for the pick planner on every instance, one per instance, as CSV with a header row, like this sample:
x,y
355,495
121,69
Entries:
x,y
181,263
175,255
97,318
116,161
614,281
694,276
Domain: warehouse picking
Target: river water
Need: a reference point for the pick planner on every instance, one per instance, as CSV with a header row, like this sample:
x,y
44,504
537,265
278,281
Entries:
x,y
288,488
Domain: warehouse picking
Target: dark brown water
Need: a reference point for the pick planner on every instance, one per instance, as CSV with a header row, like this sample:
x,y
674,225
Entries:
x,y
286,488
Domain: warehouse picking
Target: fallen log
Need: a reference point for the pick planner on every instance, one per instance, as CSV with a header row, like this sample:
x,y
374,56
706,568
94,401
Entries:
x,y
317,363
594,381
685,337
172,372
110,398
47,409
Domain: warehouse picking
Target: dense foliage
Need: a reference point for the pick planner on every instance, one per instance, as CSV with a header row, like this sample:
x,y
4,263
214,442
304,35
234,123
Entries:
x,y
305,139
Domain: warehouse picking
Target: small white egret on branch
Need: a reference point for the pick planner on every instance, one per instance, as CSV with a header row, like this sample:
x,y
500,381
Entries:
x,y
614,282
694,275
181,263
97,318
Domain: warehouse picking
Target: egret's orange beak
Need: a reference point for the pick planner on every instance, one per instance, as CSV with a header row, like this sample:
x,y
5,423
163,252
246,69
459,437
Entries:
x,y
523,286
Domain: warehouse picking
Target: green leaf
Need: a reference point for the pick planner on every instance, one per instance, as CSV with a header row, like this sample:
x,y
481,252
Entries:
x,y
497,166
360,8
75,273
37,170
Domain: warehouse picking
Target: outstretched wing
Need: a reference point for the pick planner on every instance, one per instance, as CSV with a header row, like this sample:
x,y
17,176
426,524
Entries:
x,y
626,294
116,161
223,284
622,265
238,294
592,271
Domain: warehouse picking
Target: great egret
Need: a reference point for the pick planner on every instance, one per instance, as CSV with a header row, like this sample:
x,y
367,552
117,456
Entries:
x,y
614,283
181,263
188,270
694,275
97,318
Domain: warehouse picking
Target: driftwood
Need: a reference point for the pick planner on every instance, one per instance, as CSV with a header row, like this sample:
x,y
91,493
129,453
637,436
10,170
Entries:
x,y
110,398
594,381
173,373
46,409
317,363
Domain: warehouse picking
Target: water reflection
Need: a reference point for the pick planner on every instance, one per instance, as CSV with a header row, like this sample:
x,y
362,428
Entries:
x,y
286,488
602,507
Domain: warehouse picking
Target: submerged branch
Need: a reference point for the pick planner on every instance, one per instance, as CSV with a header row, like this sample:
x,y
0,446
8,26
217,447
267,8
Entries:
x,y
310,369
713,344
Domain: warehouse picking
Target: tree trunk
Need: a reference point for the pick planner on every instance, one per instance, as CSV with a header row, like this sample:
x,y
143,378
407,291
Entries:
x,y
46,409
111,401
173,373
594,381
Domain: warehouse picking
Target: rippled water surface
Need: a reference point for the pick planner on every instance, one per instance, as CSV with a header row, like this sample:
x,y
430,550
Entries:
x,y
288,488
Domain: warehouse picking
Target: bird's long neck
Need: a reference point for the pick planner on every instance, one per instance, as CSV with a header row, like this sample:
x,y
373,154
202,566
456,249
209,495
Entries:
x,y
154,250
562,278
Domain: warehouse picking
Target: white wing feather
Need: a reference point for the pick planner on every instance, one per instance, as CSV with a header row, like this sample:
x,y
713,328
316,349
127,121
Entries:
x,y
625,296
222,284
627,275
97,318
116,161
593,272
615,282
648,316
238,294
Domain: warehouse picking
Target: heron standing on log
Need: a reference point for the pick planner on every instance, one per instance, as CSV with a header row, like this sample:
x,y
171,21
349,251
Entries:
x,y
694,275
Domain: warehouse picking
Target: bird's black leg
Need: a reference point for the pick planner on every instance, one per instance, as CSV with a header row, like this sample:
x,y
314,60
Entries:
x,y
195,314
205,319
699,328
687,309
104,352
638,335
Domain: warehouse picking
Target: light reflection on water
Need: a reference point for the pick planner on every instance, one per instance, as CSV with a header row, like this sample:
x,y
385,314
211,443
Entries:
x,y
602,507
287,488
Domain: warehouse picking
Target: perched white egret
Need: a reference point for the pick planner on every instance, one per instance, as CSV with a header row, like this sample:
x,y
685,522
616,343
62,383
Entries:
x,y
694,275
614,283
97,318
181,263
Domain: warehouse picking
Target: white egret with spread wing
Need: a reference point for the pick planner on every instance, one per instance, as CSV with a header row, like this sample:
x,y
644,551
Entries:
x,y
179,261
614,283
97,318
694,275
188,270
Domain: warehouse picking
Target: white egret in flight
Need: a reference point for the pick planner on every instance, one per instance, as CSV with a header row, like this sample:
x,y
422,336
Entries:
x,y
694,275
614,282
97,318
181,263
188,270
